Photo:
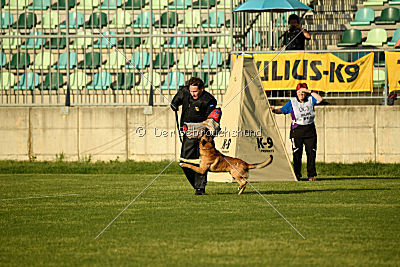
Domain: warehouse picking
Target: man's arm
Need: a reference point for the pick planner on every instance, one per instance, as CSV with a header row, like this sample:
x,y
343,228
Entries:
x,y
313,94
307,35
276,110
177,100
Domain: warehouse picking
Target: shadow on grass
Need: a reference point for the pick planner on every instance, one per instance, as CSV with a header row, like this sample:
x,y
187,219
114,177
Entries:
x,y
288,192
357,178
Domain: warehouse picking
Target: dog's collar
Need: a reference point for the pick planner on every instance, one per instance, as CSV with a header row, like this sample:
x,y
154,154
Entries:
x,y
206,148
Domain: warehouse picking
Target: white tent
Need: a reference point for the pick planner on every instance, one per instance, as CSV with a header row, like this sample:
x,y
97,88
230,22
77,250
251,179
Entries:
x,y
248,127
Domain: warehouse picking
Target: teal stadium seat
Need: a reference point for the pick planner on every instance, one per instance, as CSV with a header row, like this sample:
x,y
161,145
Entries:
x,y
211,60
34,43
180,4
177,42
106,42
28,81
396,36
60,5
364,16
62,61
75,20
376,37
143,20
215,20
26,20
3,60
352,37
174,81
53,81
389,16
7,80
39,5
253,39
6,20
101,81
140,60
110,4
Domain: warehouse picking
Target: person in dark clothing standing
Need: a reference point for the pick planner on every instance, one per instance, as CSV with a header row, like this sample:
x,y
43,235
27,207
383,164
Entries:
x,y
197,104
294,30
302,131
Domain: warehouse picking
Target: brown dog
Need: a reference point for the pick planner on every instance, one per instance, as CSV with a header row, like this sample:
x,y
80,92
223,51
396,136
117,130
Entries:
x,y
213,160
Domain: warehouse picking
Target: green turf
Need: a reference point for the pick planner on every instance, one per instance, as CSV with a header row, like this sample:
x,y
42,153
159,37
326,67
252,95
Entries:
x,y
346,222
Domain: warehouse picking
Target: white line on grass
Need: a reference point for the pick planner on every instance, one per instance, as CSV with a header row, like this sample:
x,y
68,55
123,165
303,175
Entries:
x,y
133,200
266,200
22,198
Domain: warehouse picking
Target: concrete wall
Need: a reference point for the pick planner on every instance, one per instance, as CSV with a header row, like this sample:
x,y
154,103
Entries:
x,y
345,133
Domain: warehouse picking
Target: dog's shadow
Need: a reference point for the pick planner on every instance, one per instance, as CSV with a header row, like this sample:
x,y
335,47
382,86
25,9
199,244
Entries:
x,y
288,192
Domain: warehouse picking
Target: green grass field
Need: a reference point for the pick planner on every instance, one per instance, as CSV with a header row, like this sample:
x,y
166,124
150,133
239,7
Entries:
x,y
346,221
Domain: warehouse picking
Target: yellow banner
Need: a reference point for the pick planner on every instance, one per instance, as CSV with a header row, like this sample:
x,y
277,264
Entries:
x,y
393,70
322,72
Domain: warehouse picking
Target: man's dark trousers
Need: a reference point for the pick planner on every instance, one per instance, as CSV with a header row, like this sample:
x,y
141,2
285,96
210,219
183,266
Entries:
x,y
190,150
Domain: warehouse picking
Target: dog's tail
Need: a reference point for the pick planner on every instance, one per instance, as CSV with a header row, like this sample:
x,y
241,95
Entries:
x,y
262,164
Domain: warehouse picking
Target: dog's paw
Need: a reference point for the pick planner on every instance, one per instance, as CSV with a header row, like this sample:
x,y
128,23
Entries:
x,y
183,164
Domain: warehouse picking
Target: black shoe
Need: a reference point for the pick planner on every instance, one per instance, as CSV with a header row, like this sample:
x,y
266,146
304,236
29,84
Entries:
x,y
200,191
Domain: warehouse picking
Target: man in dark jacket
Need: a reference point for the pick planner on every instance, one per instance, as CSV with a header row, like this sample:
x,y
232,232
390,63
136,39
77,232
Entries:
x,y
197,104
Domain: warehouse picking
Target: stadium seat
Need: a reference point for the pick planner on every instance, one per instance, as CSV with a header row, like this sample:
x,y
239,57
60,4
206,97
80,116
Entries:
x,y
164,60
237,19
192,19
224,4
87,4
378,78
62,61
221,81
2,3
20,61
97,20
223,41
57,43
394,2
34,43
396,36
351,37
49,20
211,60
215,20
106,42
203,4
358,55
16,5
374,3
92,61
177,42
379,59
145,81
203,76
158,4
7,80
43,61
253,39
364,16
6,20
157,41
10,43
75,20
101,81
188,60
3,60
376,37
343,56
28,81
110,4
180,4
60,5
26,20
140,60
167,20
143,20
77,80
173,81
121,20
81,42
39,5
129,42
134,4
52,81
124,81
115,60
200,42
389,16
